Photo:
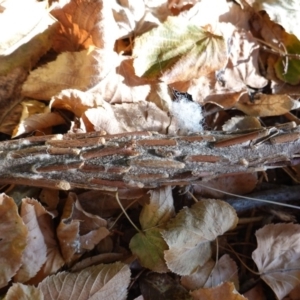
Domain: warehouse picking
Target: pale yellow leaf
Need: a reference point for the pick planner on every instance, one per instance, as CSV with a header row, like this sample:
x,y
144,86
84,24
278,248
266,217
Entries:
x,y
13,238
194,228
277,256
159,210
97,282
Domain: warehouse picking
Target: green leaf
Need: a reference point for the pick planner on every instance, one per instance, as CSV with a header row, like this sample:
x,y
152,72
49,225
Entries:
x,y
149,248
178,51
288,70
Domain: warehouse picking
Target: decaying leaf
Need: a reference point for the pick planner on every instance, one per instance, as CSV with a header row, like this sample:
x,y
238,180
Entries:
x,y
189,234
224,291
277,256
12,240
180,51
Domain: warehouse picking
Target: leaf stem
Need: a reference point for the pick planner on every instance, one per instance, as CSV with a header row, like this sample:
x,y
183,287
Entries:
x,y
125,213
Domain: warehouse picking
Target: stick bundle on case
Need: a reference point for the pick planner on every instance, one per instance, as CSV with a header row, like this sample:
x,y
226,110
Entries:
x,y
143,159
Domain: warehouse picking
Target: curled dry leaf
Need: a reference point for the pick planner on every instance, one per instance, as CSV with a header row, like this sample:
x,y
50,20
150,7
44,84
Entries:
x,y
149,245
97,282
37,122
24,292
78,70
224,291
180,51
212,274
35,253
188,235
277,256
12,239
267,105
78,230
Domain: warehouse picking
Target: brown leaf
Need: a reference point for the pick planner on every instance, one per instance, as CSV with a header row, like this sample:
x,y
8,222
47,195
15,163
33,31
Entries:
x,y
238,184
78,230
12,240
267,105
224,291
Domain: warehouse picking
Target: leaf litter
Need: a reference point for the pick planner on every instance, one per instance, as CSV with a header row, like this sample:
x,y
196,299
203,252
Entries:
x,y
115,67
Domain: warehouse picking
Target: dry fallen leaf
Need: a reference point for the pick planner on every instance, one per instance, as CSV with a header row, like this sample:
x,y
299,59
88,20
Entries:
x,y
12,240
189,234
277,256
224,291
